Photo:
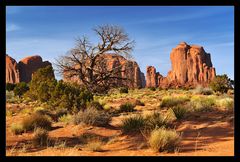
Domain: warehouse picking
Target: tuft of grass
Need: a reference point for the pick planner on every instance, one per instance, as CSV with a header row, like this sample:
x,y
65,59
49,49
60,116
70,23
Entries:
x,y
155,120
204,91
65,118
95,104
123,90
152,88
162,139
40,137
139,103
95,146
179,111
36,120
17,129
133,124
226,103
126,107
169,101
92,116
203,104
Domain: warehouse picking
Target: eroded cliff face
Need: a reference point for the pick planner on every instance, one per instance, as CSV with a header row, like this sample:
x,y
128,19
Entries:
x,y
124,68
12,72
22,71
191,66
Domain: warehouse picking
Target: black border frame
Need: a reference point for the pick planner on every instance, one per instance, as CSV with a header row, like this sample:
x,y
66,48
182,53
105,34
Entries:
x,y
235,3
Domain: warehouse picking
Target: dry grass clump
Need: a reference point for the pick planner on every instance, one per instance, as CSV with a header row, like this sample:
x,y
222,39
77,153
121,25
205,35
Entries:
x,y
126,107
92,116
40,137
95,146
36,120
180,111
203,104
155,120
162,139
169,101
225,103
133,124
17,129
67,118
204,91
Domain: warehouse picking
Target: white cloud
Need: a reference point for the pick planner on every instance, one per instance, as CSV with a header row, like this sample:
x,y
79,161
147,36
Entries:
x,y
12,27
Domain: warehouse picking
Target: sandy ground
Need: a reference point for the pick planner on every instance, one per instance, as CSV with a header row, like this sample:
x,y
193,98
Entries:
x,y
204,134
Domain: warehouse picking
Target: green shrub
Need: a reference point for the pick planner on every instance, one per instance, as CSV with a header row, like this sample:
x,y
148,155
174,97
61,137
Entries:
x,y
155,120
20,89
152,88
133,124
203,104
10,86
92,116
226,103
10,97
139,103
126,107
169,101
200,90
36,120
123,90
40,137
95,104
17,129
221,83
179,111
65,118
164,140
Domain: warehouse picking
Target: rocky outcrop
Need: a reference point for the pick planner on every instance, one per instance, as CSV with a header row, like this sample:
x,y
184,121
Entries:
x,y
22,71
12,72
127,69
151,77
29,65
191,66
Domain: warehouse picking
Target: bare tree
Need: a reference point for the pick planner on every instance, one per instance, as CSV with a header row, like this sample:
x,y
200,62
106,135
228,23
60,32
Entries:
x,y
86,64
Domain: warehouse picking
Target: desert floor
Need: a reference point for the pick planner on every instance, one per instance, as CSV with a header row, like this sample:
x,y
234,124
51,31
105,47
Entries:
x,y
208,133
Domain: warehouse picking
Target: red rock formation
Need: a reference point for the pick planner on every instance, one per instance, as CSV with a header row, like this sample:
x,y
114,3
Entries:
x,y
151,77
12,72
191,65
125,69
29,65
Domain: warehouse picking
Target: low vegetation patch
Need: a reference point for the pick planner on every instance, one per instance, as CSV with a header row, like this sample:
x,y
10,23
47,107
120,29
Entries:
x,y
226,103
40,137
133,124
204,91
203,104
17,129
36,121
123,90
139,103
162,139
95,146
92,116
169,101
126,107
179,111
155,120
67,118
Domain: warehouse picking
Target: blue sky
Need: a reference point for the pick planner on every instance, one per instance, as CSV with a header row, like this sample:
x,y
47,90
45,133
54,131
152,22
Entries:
x,y
50,31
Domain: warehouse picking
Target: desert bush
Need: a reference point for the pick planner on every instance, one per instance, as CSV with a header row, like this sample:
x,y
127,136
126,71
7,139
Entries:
x,y
179,111
162,139
17,129
152,88
123,90
36,120
200,90
139,103
95,146
10,86
40,137
226,103
133,124
20,89
155,120
95,104
11,98
65,118
169,101
203,104
92,116
126,107
221,83
230,92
